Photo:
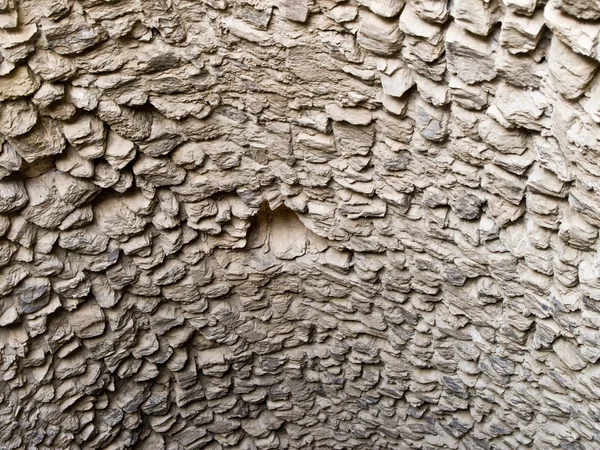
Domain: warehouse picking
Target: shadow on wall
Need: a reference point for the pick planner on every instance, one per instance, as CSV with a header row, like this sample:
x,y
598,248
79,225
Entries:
x,y
280,230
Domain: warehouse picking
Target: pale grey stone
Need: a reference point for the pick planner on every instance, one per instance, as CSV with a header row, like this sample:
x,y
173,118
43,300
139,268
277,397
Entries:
x,y
580,9
32,294
116,220
12,195
384,8
521,34
17,117
9,317
476,16
44,139
18,83
379,35
353,115
73,33
571,72
397,83
583,37
432,10
470,56
158,171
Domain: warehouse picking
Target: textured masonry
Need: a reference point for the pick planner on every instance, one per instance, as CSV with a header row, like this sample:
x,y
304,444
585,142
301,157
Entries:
x,y
299,224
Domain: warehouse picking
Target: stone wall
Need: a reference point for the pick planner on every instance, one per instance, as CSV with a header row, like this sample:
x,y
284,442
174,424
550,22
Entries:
x,y
316,224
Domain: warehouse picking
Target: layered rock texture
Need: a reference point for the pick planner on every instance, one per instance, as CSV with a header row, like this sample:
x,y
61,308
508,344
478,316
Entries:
x,y
299,224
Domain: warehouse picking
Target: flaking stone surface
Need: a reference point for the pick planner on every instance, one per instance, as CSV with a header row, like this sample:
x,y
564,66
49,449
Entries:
x,y
299,224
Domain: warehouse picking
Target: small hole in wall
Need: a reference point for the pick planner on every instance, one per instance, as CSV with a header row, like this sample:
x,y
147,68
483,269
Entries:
x,y
280,229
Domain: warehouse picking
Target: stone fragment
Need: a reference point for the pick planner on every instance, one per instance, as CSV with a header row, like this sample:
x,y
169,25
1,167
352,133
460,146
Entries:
x,y
571,73
166,18
384,8
17,43
17,117
353,115
245,31
343,13
397,83
119,151
432,122
506,140
85,130
476,16
521,34
525,7
50,65
503,183
20,82
72,162
470,56
77,218
87,321
32,294
12,195
423,39
466,205
580,8
73,33
569,354
53,196
82,98
552,157
379,35
44,139
116,220
189,155
521,108
158,171
9,18
294,10
432,10
582,37
9,317
47,94
287,235
127,122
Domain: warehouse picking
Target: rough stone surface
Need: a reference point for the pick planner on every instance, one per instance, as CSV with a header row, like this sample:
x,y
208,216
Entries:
x,y
299,224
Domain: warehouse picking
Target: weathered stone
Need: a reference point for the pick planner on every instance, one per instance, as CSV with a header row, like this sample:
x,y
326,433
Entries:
x,y
385,8
17,117
469,56
354,116
47,94
32,294
12,195
571,73
583,37
72,33
299,224
432,10
20,82
476,16
44,139
116,220
158,171
521,34
580,8
379,35
397,83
